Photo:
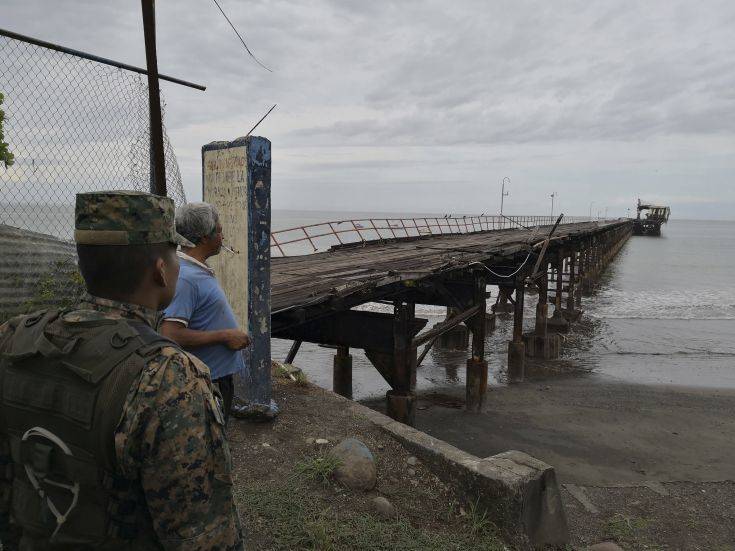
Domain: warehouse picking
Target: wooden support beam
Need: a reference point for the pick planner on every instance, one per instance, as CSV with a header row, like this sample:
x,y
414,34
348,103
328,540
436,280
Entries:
x,y
518,311
452,294
542,307
401,401
444,326
404,353
352,328
516,348
571,288
559,271
476,384
292,352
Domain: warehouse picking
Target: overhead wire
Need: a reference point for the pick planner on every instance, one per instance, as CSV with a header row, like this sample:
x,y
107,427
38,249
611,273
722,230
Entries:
x,y
240,37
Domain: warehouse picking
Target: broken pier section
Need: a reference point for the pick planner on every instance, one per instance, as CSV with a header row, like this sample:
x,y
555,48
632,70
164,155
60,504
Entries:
x,y
313,299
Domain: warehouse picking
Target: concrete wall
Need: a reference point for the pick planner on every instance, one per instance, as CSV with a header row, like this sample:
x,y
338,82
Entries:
x,y
36,270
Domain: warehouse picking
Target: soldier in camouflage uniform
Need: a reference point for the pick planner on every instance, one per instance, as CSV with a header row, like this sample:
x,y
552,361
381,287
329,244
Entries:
x,y
112,437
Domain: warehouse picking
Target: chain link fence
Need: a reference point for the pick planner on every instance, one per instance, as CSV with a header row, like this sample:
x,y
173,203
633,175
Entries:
x,y
72,125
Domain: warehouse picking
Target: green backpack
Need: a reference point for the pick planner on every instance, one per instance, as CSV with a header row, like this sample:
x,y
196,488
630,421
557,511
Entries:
x,y
63,385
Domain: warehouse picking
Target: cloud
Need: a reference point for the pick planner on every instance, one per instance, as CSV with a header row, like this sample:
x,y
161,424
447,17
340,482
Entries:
x,y
567,94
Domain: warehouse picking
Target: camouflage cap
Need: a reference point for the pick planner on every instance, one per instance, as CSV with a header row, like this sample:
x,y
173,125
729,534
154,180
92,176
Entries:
x,y
125,218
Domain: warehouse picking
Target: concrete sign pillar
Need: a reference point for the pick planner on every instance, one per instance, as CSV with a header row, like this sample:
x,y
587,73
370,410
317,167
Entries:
x,y
236,179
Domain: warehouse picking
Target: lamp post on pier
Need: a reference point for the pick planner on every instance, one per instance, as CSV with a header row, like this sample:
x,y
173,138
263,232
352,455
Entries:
x,y
591,203
503,193
553,194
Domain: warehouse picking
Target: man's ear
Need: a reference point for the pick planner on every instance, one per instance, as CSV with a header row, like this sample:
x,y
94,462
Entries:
x,y
159,273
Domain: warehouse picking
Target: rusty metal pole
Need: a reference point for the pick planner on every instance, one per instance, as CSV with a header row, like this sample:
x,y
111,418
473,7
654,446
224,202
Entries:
x,y
158,163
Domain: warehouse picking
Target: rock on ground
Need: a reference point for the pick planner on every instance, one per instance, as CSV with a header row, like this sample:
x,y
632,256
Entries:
x,y
357,465
384,508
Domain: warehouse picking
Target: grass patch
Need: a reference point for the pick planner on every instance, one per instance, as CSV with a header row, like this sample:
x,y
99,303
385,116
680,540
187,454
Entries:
x,y
478,521
301,379
280,371
620,527
319,468
295,516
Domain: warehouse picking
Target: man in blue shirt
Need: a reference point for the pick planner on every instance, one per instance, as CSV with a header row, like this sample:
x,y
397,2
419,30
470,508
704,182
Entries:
x,y
200,318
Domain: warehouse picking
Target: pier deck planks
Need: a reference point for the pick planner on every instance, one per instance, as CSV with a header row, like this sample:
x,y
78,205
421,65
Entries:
x,y
305,280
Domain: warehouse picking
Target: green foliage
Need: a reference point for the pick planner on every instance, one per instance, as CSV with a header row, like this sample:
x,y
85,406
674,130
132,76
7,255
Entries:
x,y
620,527
478,521
280,371
6,157
319,468
301,379
295,516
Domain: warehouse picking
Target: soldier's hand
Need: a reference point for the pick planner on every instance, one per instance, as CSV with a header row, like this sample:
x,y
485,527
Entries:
x,y
235,339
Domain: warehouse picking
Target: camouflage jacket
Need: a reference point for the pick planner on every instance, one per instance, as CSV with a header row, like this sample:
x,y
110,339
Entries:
x,y
171,438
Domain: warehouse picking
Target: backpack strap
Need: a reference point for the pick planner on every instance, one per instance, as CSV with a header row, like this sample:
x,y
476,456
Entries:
x,y
152,340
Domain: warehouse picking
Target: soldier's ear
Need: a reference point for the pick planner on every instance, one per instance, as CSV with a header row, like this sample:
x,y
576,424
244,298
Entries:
x,y
159,273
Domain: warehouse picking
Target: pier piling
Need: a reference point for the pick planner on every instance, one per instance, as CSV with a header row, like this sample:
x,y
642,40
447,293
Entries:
x,y
571,313
401,401
516,348
558,322
456,338
476,384
539,343
342,372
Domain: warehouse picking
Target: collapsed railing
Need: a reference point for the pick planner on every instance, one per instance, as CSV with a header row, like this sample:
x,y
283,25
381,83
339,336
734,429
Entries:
x,y
315,237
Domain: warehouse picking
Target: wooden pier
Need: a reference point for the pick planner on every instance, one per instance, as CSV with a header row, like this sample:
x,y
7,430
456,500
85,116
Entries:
x,y
313,296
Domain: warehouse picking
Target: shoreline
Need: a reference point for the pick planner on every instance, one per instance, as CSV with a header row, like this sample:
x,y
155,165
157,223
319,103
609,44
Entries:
x,y
594,429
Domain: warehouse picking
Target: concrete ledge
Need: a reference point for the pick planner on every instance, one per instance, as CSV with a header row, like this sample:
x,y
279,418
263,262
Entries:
x,y
519,492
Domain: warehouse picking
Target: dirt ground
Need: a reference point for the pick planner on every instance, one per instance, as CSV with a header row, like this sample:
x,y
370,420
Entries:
x,y
287,500
650,467
671,515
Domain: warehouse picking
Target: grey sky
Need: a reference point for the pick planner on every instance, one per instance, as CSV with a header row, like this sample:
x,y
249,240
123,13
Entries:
x,y
424,106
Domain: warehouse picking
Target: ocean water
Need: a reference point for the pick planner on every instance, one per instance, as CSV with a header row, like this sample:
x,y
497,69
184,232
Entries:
x,y
663,313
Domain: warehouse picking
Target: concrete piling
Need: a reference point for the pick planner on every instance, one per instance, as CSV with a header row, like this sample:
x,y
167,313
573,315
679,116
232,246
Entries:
x,y
342,372
401,406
